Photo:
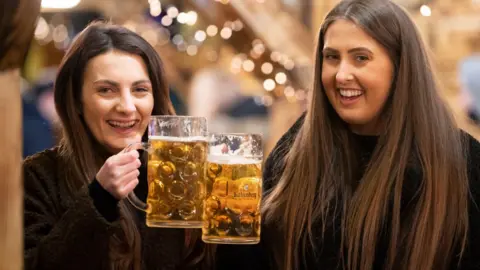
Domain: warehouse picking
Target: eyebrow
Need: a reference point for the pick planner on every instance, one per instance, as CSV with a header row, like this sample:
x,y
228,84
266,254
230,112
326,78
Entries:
x,y
357,49
117,84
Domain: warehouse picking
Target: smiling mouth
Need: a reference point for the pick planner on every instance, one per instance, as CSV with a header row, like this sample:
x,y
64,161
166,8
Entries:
x,y
350,93
122,124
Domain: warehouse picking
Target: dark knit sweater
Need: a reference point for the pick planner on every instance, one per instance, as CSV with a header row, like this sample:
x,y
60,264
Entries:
x,y
256,257
69,232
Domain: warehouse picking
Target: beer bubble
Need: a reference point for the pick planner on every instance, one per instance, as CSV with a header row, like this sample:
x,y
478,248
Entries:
x,y
189,172
179,152
177,190
196,190
212,205
160,151
245,225
187,210
155,189
152,169
214,170
223,224
159,209
166,171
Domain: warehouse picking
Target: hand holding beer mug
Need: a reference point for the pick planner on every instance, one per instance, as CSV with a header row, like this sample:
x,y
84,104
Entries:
x,y
177,150
234,184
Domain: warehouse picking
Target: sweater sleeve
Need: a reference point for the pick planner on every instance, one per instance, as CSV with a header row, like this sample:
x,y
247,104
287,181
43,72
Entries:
x,y
71,235
104,202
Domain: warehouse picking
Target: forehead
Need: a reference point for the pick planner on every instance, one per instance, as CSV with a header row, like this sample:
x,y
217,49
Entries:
x,y
344,34
116,65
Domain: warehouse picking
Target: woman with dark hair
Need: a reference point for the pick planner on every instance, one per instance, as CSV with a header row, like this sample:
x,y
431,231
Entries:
x,y
376,174
109,84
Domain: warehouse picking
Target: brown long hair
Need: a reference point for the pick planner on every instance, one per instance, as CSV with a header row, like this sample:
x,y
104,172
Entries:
x,y
322,167
78,146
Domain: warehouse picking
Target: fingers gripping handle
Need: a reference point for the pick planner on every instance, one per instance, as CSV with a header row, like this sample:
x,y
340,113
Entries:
x,y
131,197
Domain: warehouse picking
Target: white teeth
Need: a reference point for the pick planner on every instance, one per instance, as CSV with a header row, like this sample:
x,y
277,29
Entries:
x,y
122,124
350,93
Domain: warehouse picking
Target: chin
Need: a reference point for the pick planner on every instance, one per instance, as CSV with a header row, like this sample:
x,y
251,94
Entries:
x,y
355,121
352,118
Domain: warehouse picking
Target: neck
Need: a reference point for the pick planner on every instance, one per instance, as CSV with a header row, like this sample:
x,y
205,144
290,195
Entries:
x,y
373,128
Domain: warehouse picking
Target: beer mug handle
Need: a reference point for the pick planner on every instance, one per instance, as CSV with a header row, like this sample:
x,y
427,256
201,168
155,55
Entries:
x,y
131,197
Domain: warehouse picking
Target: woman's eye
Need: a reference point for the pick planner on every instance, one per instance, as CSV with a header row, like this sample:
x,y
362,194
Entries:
x,y
361,58
105,90
331,56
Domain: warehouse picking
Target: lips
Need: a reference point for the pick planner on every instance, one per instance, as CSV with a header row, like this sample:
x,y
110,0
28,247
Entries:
x,y
122,124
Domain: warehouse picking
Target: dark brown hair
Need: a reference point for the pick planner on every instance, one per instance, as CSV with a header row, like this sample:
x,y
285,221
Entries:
x,y
78,146
418,127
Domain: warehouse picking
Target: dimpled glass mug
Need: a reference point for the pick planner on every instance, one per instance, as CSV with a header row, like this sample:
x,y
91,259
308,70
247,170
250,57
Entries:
x,y
177,150
234,189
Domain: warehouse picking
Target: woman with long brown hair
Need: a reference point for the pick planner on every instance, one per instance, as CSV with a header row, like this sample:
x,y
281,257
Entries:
x,y
376,174
109,84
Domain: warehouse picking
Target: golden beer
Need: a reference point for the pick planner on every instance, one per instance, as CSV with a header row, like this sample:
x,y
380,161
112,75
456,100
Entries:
x,y
232,208
176,181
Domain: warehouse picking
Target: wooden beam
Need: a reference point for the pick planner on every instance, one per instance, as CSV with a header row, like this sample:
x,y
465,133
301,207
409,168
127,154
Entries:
x,y
11,189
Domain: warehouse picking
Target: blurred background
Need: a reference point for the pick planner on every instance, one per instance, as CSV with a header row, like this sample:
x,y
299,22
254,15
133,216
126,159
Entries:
x,y
244,64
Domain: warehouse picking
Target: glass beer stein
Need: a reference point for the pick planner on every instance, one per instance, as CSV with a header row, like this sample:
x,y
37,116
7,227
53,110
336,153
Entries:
x,y
177,150
234,185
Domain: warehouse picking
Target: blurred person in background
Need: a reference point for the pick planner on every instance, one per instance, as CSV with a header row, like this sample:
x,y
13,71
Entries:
x,y
217,95
39,118
376,174
108,85
470,81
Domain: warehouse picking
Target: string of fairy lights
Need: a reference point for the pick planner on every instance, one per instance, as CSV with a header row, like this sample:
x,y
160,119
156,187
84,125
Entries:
x,y
272,70
276,84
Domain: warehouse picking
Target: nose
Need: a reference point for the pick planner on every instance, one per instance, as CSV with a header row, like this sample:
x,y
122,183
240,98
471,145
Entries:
x,y
126,102
344,73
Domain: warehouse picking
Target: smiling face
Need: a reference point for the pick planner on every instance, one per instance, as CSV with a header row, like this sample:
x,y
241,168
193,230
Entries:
x,y
117,99
356,74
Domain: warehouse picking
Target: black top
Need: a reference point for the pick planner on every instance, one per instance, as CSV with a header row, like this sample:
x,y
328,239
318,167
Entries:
x,y
63,231
231,257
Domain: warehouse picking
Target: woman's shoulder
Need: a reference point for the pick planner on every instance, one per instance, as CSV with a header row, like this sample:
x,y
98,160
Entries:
x,y
472,152
41,169
473,147
46,159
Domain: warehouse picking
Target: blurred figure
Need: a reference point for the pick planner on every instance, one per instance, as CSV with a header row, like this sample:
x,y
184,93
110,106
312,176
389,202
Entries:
x,y
470,81
39,116
216,95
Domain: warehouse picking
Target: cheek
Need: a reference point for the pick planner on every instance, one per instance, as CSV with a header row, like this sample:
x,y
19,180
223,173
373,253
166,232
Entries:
x,y
145,108
93,113
327,76
383,79
382,85
328,82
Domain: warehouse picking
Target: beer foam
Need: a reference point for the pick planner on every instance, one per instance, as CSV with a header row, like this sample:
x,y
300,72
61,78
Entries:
x,y
226,159
178,139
